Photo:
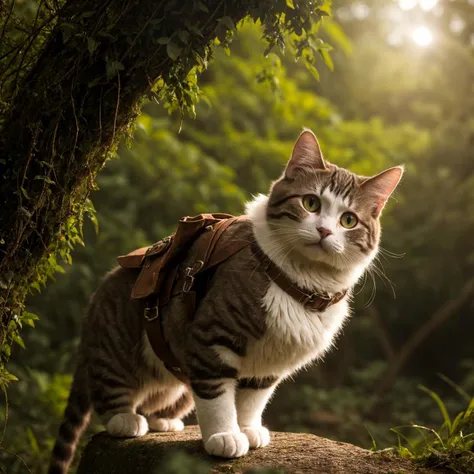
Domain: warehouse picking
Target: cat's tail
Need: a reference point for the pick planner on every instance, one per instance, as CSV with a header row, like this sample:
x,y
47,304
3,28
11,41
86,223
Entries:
x,y
76,418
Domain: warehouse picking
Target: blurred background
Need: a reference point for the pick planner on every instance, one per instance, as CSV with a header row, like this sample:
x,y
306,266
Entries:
x,y
401,91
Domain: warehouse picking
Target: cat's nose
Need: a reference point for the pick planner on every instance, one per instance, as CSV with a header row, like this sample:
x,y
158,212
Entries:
x,y
323,232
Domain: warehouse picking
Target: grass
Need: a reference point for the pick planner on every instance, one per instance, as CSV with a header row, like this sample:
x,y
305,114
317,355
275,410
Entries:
x,y
449,447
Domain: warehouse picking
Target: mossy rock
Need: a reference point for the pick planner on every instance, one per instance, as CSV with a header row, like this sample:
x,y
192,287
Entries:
x,y
183,453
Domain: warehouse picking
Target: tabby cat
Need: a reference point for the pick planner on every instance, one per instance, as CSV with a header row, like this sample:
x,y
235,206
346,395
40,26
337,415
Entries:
x,y
320,226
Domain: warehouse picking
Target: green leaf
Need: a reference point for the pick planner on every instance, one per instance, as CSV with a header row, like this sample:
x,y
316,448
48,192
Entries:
x,y
195,30
324,10
173,50
228,22
327,58
312,69
67,30
25,193
183,35
113,67
32,440
289,3
28,315
164,40
92,45
268,49
19,341
441,405
44,178
203,7
10,377
93,83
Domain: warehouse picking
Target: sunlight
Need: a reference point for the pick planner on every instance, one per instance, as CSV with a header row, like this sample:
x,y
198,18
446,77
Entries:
x,y
428,4
407,4
422,36
424,4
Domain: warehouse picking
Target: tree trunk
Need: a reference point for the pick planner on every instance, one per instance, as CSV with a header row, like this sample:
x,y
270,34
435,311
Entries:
x,y
81,96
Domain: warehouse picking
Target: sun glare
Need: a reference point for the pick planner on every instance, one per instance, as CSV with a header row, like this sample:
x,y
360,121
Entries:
x,y
428,5
424,4
407,4
422,36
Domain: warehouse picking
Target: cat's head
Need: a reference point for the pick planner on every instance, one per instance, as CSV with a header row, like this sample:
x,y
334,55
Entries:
x,y
325,213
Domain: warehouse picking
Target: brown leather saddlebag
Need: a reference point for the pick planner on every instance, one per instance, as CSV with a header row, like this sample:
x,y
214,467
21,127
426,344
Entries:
x,y
159,281
159,261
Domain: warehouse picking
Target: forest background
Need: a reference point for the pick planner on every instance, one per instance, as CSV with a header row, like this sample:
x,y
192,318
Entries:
x,y
402,91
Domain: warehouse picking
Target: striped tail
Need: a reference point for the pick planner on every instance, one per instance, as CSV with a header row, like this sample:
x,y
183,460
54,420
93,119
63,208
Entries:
x,y
76,418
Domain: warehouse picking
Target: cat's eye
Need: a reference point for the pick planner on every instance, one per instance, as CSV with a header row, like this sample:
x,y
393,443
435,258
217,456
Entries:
x,y
311,203
349,220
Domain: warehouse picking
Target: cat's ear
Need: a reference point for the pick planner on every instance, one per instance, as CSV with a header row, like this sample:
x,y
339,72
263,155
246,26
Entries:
x,y
306,155
379,188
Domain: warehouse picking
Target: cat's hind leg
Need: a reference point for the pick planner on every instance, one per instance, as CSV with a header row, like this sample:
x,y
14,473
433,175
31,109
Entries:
x,y
165,411
115,402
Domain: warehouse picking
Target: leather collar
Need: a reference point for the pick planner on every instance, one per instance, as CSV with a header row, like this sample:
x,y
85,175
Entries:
x,y
311,301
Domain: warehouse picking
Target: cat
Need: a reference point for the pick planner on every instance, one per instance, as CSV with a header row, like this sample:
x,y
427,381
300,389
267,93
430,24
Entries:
x,y
320,226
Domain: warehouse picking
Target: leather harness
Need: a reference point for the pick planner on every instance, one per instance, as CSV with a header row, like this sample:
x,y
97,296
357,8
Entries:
x,y
160,279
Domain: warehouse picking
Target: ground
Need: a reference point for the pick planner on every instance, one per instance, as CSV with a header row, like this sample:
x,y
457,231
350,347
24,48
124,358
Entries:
x,y
295,453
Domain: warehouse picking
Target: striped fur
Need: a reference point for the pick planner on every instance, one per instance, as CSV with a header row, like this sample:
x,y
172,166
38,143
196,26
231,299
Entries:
x,y
247,334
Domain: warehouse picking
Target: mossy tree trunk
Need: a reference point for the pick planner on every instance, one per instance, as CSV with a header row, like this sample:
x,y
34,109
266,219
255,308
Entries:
x,y
82,94
72,107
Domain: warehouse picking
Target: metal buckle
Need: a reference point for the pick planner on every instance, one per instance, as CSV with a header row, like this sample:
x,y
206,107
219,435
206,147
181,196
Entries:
x,y
151,313
189,273
311,298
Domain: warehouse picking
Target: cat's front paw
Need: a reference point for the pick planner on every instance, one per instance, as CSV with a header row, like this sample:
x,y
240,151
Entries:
x,y
258,436
227,445
127,425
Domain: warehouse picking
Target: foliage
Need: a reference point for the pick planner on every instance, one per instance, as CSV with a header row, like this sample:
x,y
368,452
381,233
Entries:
x,y
449,447
95,50
382,106
236,145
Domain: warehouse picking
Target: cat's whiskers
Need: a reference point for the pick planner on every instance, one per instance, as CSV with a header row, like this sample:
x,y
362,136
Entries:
x,y
380,272
387,253
374,289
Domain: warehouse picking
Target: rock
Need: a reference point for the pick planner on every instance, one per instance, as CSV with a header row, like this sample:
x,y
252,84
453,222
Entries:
x,y
292,453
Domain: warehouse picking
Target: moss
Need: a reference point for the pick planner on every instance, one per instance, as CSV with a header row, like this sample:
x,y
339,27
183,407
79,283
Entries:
x,y
289,452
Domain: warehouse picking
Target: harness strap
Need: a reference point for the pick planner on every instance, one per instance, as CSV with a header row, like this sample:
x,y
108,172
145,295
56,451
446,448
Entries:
x,y
207,256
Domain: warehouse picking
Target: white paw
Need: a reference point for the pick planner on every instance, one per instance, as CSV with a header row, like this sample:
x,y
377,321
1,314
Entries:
x,y
258,436
127,425
165,424
227,445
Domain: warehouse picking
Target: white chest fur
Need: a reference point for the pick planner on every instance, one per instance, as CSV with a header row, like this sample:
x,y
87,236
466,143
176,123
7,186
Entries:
x,y
294,336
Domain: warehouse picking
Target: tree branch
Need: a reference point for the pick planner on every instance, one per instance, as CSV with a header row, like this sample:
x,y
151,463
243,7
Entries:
x,y
443,314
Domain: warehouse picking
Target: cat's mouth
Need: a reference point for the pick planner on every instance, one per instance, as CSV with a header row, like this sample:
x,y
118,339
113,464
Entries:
x,y
318,244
